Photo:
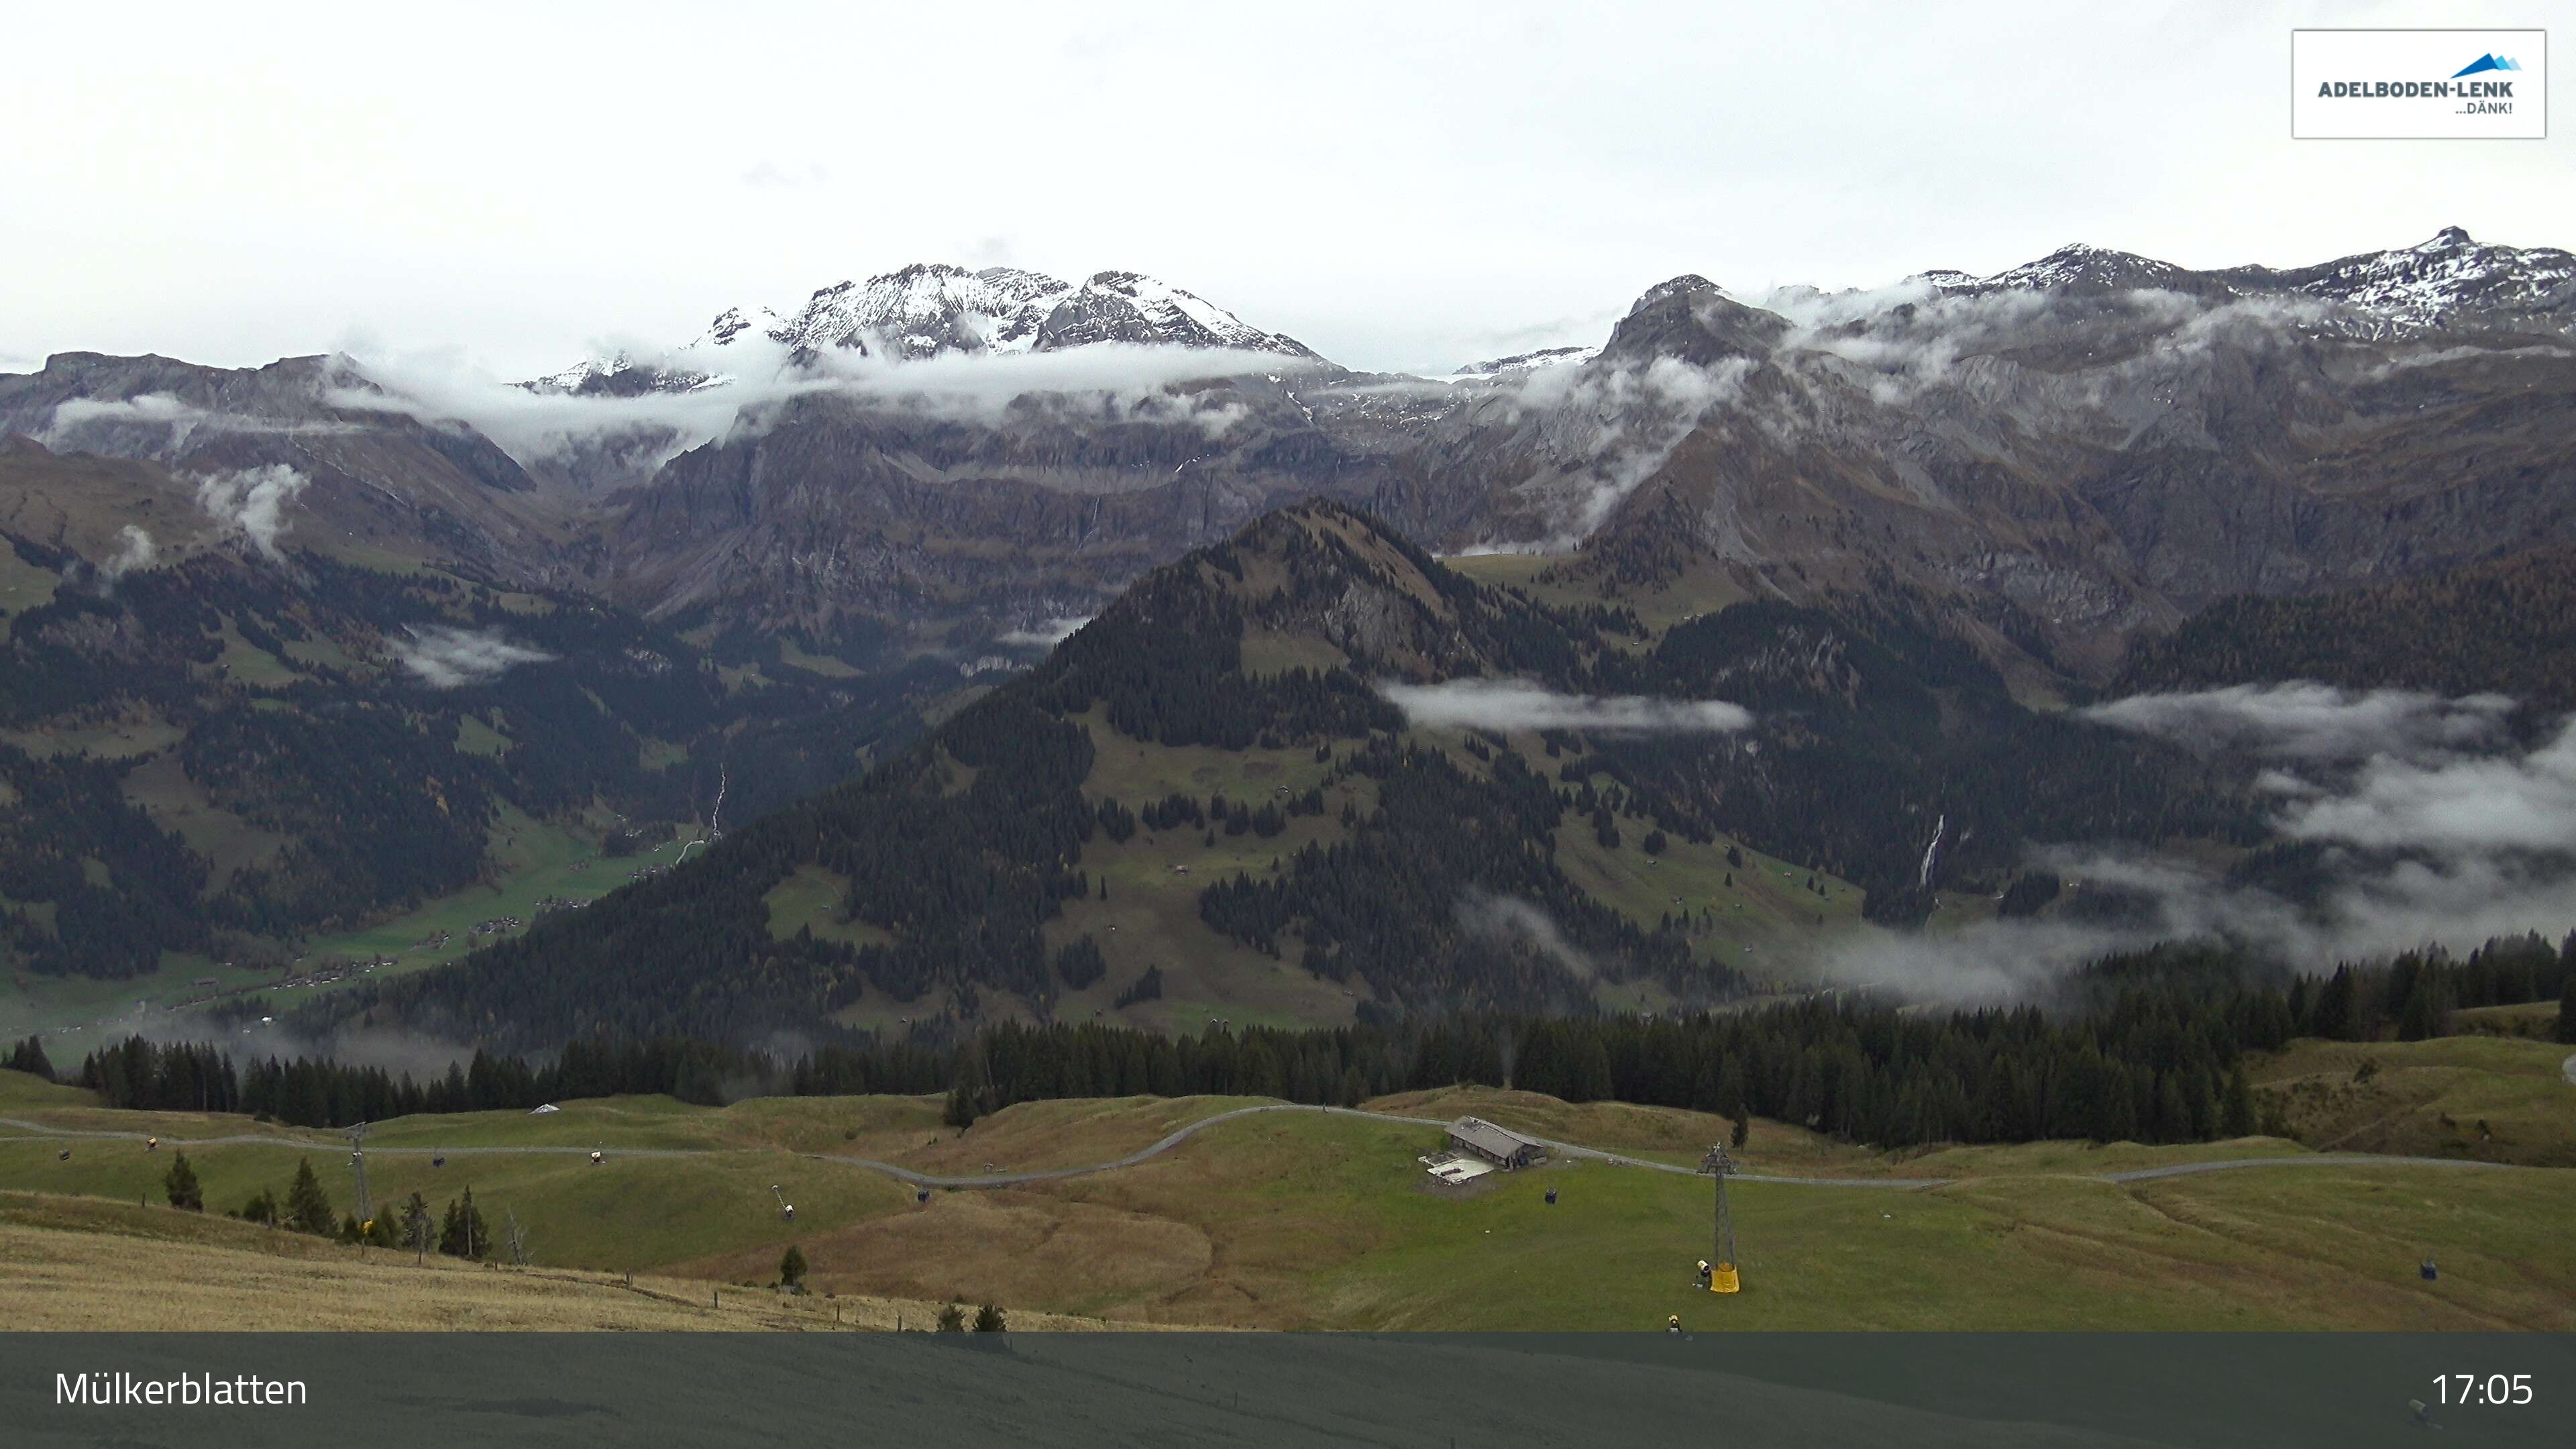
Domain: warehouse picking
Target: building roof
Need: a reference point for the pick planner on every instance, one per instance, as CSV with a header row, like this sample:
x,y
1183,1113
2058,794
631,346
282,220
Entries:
x,y
1487,1138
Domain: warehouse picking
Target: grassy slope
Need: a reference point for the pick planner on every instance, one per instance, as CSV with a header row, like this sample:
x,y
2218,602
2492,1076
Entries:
x,y
23,585
81,1265
811,900
1320,1222
2428,1098
1305,1220
2534,1020
1700,588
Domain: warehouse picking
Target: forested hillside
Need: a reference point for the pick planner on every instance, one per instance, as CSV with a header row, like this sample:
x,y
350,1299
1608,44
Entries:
x,y
2507,626
221,746
1360,865
2146,1047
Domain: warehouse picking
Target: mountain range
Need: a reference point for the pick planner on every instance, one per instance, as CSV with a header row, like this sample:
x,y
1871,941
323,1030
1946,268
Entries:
x,y
1901,526
2063,455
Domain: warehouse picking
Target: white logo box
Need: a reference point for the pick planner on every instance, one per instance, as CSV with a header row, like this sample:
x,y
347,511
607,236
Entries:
x,y
2406,85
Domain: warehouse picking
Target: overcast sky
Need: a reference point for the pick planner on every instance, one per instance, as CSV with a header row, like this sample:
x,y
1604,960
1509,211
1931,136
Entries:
x,y
525,183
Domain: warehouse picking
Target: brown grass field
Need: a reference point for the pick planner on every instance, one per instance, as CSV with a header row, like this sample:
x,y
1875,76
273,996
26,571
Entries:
x,y
82,1265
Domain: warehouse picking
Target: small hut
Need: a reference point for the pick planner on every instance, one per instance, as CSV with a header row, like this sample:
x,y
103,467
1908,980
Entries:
x,y
1503,1148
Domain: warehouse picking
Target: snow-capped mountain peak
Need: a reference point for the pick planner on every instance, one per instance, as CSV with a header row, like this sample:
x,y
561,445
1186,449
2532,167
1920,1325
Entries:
x,y
1520,363
730,324
923,310
932,308
1686,282
2076,267
2447,279
2439,279
1132,307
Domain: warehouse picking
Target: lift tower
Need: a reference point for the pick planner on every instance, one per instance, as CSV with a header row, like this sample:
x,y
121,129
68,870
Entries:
x,y
358,1165
1722,1276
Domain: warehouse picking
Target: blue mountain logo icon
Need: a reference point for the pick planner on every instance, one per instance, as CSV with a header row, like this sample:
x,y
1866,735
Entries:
x,y
2486,63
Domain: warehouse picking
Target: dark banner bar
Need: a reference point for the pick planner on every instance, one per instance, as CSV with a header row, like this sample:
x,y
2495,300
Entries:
x,y
1924,1391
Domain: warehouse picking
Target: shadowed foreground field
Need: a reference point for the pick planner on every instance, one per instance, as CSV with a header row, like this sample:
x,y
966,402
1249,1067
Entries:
x,y
83,1265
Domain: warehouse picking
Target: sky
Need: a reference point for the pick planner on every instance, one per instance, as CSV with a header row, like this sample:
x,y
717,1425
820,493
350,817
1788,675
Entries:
x,y
1401,187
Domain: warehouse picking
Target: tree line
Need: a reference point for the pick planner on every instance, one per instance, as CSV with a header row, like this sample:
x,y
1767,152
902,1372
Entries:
x,y
2143,1047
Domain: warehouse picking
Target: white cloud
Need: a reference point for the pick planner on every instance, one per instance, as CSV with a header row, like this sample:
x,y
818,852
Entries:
x,y
253,500
1609,427
2434,357
1504,918
2451,806
754,379
1503,704
134,551
75,419
443,657
2434,827
2307,721
1043,636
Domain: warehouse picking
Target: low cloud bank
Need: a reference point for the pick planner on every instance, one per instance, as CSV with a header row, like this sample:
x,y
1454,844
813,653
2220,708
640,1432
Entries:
x,y
1503,704
749,383
449,658
74,422
2305,721
2428,823
2504,802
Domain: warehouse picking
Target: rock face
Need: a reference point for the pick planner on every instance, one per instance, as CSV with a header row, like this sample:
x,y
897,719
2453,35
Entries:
x,y
2088,446
850,506
371,472
2057,458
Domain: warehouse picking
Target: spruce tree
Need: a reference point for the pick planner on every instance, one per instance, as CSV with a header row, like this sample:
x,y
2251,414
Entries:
x,y
2334,1015
988,1319
418,1233
2428,1012
967,1094
2239,1121
463,1234
308,1207
791,1267
29,1056
2567,1007
952,1319
180,1182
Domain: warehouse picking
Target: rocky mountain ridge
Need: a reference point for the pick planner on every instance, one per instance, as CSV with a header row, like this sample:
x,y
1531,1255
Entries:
x,y
2062,457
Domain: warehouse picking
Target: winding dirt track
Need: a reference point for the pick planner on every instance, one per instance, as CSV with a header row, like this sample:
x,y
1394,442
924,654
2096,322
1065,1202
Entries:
x,y
36,1131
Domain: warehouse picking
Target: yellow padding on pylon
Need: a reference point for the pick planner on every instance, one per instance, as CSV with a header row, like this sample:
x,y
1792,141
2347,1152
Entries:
x,y
1723,1280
